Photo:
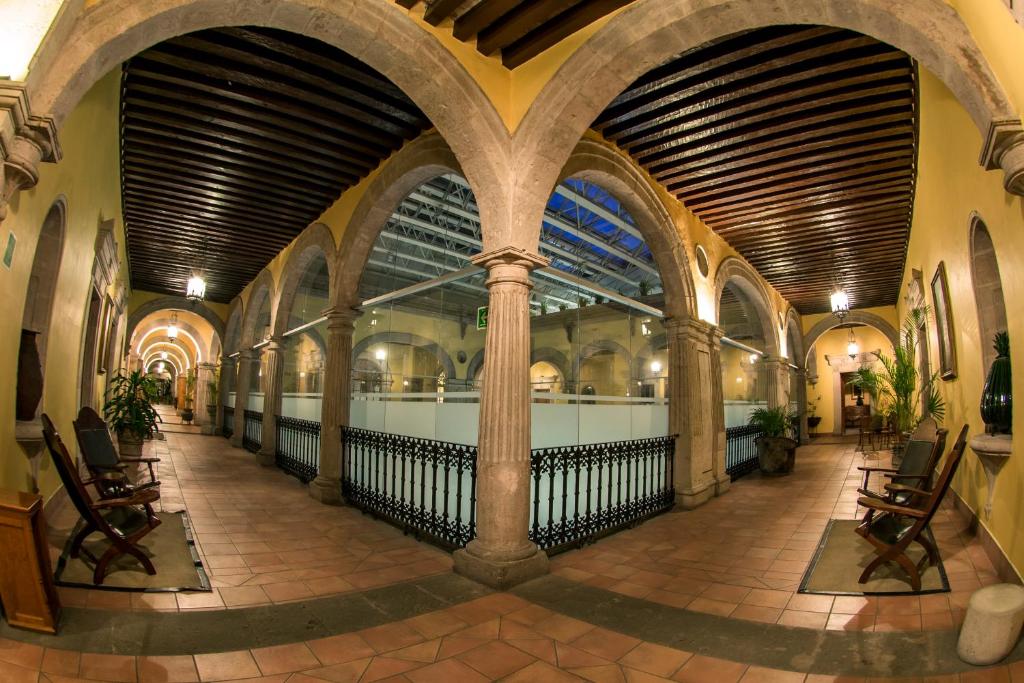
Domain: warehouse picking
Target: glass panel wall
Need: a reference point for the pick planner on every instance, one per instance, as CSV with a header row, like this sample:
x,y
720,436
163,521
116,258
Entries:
x,y
305,347
744,377
258,377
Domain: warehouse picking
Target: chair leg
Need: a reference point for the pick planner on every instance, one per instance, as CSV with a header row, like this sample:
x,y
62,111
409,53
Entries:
x,y
870,569
76,544
911,569
100,572
929,547
147,564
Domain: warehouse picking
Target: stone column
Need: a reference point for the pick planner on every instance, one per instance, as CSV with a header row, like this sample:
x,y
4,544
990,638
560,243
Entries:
x,y
334,408
274,353
502,554
245,361
204,371
722,480
696,410
777,375
227,369
801,403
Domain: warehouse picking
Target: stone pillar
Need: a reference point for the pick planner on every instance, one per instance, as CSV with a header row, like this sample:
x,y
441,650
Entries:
x,y
777,375
801,403
502,554
274,354
334,408
722,480
227,369
245,362
204,372
696,410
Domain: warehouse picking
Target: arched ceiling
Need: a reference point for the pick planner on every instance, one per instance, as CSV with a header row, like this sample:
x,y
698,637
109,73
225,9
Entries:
x,y
797,144
234,140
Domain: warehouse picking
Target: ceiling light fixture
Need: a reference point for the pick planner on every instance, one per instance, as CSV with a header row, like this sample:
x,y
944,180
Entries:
x,y
195,288
852,347
172,328
839,299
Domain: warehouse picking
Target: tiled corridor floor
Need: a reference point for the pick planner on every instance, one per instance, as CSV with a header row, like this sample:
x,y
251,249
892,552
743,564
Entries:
x,y
722,570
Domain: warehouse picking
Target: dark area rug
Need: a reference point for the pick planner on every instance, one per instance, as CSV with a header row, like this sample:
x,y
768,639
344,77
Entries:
x,y
170,547
842,555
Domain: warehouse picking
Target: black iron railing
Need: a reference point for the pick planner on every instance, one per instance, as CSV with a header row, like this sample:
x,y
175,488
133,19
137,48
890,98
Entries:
x,y
585,491
740,450
252,435
298,447
228,427
423,486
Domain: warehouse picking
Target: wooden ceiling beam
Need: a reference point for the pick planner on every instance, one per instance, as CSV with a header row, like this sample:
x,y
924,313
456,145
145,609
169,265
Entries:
x,y
439,10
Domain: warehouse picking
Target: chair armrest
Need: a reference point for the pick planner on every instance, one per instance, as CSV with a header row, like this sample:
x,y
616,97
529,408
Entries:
x,y
877,469
900,488
906,476
892,508
871,494
105,476
139,498
131,458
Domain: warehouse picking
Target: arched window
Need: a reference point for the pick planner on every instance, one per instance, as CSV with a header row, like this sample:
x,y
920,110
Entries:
x,y
988,290
744,380
35,320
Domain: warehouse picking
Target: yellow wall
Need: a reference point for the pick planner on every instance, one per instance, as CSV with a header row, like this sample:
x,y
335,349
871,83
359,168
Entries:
x,y
950,186
88,178
833,343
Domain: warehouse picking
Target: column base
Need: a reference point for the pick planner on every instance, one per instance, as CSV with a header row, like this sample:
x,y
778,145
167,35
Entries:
x,y
722,485
209,430
326,491
267,459
236,440
500,574
694,498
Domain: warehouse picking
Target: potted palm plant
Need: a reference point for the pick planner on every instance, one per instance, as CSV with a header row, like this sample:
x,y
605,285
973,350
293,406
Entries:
x,y
129,410
187,415
813,419
776,452
213,394
896,387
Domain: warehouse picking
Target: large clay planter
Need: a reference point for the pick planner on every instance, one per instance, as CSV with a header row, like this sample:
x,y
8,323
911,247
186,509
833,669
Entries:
x,y
775,455
129,444
30,377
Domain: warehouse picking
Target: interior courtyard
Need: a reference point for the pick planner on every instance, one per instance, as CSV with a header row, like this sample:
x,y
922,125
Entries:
x,y
463,322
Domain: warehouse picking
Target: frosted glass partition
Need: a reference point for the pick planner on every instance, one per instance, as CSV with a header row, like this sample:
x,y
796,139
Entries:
x,y
599,372
744,384
302,388
411,361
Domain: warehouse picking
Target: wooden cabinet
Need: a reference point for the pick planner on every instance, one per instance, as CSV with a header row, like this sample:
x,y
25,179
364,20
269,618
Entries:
x,y
853,414
26,579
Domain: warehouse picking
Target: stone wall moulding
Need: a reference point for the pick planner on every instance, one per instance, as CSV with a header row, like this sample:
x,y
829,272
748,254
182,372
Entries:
x,y
1004,149
25,141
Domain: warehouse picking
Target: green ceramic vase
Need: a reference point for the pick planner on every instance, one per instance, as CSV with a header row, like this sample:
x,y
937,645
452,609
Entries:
x,y
997,397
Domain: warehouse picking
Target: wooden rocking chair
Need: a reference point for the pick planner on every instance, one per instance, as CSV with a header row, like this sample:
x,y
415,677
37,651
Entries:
x,y
101,458
916,470
892,527
124,521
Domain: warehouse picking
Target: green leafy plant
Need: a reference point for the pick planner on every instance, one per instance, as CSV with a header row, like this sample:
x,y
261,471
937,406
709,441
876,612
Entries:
x,y
129,407
773,421
895,386
213,388
190,388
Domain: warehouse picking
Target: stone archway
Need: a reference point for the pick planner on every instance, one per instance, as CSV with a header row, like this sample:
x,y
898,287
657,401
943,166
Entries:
x,y
262,288
428,156
862,317
603,165
737,272
175,303
649,32
316,240
432,347
379,33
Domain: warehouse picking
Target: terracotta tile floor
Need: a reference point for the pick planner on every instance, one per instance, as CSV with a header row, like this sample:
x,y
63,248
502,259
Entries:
x,y
516,641
743,555
261,537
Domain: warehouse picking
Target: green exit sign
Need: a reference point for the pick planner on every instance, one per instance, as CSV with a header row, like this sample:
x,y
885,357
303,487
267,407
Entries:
x,y
481,318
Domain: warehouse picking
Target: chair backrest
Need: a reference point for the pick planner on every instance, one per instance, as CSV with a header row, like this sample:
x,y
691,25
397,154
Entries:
x,y
865,423
94,440
920,457
69,474
942,483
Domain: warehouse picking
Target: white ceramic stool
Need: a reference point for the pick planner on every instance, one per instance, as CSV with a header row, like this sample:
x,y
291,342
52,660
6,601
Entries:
x,y
992,625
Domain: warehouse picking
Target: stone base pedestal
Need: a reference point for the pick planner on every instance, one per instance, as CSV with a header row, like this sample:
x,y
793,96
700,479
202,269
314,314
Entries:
x,y
236,440
500,574
722,485
266,459
209,429
326,491
992,624
694,498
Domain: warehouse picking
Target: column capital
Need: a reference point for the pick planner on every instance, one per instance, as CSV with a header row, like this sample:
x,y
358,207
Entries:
x,y
275,345
248,355
694,328
339,317
25,141
510,256
1004,149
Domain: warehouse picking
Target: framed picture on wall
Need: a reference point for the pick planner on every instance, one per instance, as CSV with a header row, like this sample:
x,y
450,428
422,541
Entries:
x,y
944,323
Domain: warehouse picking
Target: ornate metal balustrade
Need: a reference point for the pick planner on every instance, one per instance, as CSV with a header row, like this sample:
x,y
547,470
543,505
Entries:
x,y
228,427
252,435
298,447
740,450
423,486
586,491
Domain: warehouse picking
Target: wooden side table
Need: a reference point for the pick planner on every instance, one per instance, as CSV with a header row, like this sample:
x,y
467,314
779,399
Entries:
x,y
26,578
